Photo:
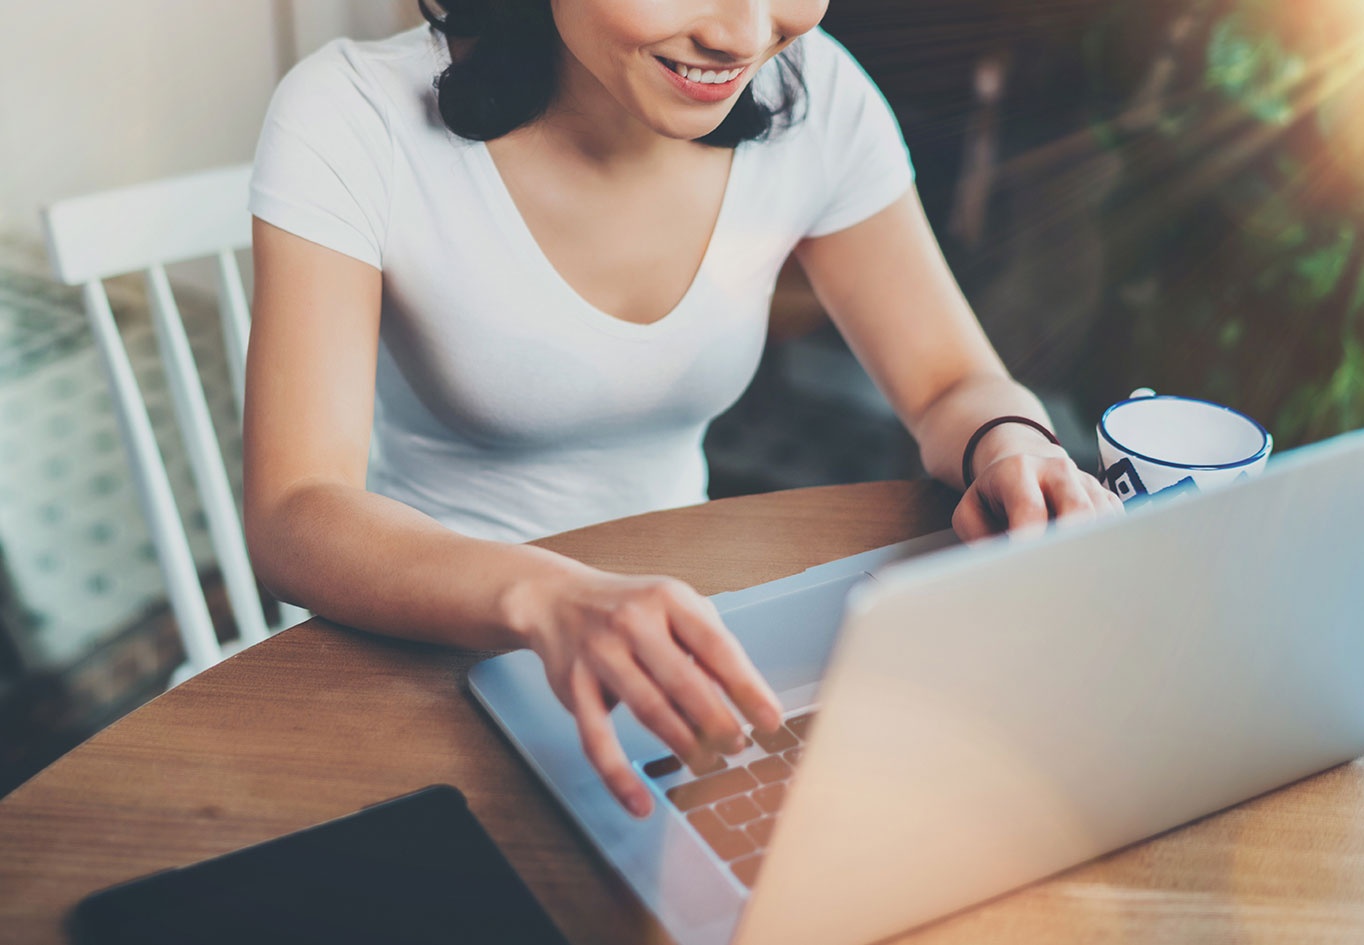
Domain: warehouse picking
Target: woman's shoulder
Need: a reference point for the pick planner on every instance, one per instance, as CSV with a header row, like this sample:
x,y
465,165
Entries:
x,y
846,150
325,159
833,78
833,87
380,73
819,51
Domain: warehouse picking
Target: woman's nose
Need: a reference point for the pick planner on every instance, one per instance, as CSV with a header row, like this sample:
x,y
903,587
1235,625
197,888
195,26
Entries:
x,y
735,30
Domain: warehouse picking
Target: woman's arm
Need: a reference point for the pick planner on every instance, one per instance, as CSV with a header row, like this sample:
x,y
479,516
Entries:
x,y
319,539
887,287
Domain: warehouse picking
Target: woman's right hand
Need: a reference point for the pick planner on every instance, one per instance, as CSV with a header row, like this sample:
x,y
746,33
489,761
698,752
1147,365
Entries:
x,y
657,645
315,532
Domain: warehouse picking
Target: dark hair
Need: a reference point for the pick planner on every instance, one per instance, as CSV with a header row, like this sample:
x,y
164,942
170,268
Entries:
x,y
507,79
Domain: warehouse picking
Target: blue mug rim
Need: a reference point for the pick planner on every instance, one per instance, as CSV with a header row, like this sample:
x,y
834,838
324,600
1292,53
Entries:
x,y
1265,443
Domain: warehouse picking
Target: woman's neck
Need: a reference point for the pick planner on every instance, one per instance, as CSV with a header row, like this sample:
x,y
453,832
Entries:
x,y
587,119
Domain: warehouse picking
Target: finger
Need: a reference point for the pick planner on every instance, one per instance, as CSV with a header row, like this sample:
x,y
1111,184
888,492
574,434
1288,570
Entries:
x,y
601,745
972,519
1066,494
699,629
1105,502
691,689
618,670
1021,497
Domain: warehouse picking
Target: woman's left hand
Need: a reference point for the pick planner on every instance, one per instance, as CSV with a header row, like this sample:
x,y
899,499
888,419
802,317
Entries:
x,y
1027,488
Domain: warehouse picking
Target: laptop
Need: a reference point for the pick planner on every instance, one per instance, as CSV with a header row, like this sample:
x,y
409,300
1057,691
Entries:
x,y
964,720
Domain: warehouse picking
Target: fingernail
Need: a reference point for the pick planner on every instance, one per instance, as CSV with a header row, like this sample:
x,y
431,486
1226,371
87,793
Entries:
x,y
738,743
705,762
638,804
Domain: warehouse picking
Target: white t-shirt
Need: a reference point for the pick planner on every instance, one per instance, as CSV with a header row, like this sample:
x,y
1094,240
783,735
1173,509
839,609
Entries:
x,y
506,406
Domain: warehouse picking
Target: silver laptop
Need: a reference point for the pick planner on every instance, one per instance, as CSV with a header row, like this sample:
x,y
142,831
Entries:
x,y
972,719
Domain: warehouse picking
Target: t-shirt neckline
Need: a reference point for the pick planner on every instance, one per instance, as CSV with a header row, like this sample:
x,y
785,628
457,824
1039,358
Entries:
x,y
534,255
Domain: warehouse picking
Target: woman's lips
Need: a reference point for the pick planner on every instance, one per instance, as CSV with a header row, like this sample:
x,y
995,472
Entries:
x,y
701,91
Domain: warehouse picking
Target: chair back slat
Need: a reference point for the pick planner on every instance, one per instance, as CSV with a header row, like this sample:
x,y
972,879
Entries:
x,y
210,475
153,486
236,321
144,229
118,231
291,615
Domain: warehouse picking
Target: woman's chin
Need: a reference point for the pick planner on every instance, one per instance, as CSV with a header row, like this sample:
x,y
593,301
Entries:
x,y
689,127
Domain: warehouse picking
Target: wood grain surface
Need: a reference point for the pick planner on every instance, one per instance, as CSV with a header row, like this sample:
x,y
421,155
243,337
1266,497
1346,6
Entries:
x,y
321,720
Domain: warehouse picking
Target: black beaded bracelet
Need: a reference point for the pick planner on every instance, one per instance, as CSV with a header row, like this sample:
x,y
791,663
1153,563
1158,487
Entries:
x,y
967,476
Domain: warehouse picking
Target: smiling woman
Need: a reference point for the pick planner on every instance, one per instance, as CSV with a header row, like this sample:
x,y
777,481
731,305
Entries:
x,y
509,266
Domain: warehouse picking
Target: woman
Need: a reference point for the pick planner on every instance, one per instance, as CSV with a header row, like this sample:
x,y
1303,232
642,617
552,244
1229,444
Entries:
x,y
537,282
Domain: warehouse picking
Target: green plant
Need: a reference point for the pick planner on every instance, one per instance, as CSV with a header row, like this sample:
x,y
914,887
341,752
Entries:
x,y
1236,238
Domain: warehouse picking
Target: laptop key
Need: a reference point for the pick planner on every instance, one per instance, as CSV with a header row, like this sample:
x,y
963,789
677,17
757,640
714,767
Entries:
x,y
793,756
715,764
728,844
747,869
659,767
738,810
780,740
712,788
800,724
769,796
769,769
761,831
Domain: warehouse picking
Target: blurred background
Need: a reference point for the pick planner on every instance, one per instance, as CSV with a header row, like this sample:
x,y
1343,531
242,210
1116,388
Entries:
x,y
1163,193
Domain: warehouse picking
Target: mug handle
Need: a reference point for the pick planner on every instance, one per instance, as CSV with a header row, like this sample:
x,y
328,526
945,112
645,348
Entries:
x,y
1140,393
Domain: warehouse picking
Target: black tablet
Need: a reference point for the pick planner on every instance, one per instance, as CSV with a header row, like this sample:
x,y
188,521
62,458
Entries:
x,y
416,869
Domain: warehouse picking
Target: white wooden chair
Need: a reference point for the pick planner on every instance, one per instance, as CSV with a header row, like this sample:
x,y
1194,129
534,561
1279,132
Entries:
x,y
142,229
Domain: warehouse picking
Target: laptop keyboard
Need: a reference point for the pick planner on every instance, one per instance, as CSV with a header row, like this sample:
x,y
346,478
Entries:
x,y
733,806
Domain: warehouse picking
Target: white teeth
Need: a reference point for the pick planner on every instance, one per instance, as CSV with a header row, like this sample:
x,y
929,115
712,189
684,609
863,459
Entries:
x,y
705,77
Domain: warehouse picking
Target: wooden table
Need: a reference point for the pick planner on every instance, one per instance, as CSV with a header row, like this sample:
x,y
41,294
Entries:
x,y
321,720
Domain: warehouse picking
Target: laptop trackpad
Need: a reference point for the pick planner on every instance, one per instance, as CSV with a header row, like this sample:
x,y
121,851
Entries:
x,y
789,636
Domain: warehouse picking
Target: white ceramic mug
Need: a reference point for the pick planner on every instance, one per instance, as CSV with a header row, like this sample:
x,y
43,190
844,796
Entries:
x,y
1162,445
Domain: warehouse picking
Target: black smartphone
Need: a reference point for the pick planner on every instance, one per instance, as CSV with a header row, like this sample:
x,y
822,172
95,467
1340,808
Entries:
x,y
413,870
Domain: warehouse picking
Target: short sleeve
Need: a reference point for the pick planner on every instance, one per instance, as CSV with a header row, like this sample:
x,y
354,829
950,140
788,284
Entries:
x,y
866,162
323,167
